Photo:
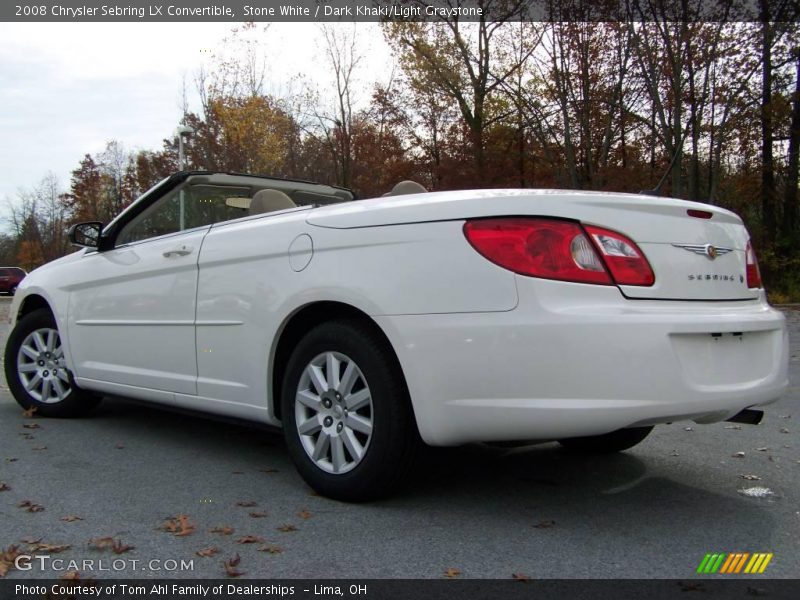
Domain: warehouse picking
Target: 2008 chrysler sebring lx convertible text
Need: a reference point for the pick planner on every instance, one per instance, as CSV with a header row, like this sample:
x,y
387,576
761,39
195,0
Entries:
x,y
366,327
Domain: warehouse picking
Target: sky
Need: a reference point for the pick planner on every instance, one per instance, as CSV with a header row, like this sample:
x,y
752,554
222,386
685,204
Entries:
x,y
66,89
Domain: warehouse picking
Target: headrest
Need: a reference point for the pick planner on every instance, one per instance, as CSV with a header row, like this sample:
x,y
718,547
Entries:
x,y
406,187
270,200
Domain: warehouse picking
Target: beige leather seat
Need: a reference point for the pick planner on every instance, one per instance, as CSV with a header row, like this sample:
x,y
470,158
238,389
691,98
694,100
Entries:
x,y
406,187
269,201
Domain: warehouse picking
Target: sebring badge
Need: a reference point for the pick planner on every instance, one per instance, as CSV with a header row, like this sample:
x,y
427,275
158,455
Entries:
x,y
707,250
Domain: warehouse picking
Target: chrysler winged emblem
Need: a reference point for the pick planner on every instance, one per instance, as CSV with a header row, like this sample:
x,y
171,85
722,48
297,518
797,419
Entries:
x,y
708,250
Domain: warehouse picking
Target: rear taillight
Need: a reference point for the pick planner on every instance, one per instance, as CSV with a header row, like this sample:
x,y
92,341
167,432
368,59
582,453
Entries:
x,y
622,256
553,249
753,272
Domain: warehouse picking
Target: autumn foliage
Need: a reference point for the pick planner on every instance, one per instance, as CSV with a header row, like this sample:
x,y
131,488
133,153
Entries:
x,y
705,110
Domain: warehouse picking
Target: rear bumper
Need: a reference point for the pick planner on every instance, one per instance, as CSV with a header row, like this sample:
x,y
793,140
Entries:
x,y
574,360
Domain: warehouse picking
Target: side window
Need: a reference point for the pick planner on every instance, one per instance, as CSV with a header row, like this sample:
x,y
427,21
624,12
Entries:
x,y
187,207
4,273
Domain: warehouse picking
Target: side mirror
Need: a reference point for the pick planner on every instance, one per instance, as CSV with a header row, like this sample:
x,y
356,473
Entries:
x,y
85,235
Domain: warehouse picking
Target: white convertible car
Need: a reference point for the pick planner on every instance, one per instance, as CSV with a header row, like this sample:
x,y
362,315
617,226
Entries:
x,y
365,327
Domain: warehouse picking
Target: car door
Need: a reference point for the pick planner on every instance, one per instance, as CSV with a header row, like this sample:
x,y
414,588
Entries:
x,y
131,317
132,314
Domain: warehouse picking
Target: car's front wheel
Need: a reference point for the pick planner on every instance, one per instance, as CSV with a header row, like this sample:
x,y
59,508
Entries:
x,y
616,441
36,371
346,415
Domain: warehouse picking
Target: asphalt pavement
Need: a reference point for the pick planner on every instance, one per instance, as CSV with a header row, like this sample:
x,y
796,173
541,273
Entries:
x,y
138,490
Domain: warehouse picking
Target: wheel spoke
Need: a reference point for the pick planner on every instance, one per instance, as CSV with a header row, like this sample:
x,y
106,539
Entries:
x,y
317,379
27,367
332,368
59,388
348,379
358,400
352,444
33,382
30,352
337,454
38,339
51,340
309,399
322,445
63,376
358,423
310,427
46,387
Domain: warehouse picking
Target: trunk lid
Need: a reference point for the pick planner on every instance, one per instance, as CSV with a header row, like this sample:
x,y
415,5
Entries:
x,y
677,245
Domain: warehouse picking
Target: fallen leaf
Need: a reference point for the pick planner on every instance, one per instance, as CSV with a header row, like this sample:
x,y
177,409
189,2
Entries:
x,y
230,566
4,487
270,548
247,503
751,477
258,515
119,548
7,558
179,526
733,426
737,455
304,514
451,573
40,448
688,428
544,524
12,459
52,548
250,539
31,426
785,416
784,430
762,449
71,576
222,530
71,518
206,552
119,447
30,506
521,577
28,414
238,472
287,528
674,453
31,541
101,543
268,470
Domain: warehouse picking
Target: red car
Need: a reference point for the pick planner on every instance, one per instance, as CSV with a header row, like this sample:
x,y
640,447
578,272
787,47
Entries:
x,y
10,278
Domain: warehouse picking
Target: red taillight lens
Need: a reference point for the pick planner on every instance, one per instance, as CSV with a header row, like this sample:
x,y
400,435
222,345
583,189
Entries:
x,y
753,272
622,256
561,250
538,247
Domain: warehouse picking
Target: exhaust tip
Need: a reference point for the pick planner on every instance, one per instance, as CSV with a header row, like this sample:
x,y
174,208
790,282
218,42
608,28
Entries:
x,y
748,416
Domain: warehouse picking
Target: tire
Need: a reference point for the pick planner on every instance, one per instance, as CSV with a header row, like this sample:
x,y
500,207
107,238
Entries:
x,y
33,352
616,441
357,463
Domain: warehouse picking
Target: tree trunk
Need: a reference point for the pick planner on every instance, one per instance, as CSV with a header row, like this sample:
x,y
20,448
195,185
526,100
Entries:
x,y
790,232
768,217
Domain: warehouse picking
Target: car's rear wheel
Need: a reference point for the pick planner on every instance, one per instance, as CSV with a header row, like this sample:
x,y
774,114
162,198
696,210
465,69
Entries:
x,y
36,371
616,441
346,414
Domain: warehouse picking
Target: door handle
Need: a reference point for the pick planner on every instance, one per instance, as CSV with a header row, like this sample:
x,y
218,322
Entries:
x,y
181,250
